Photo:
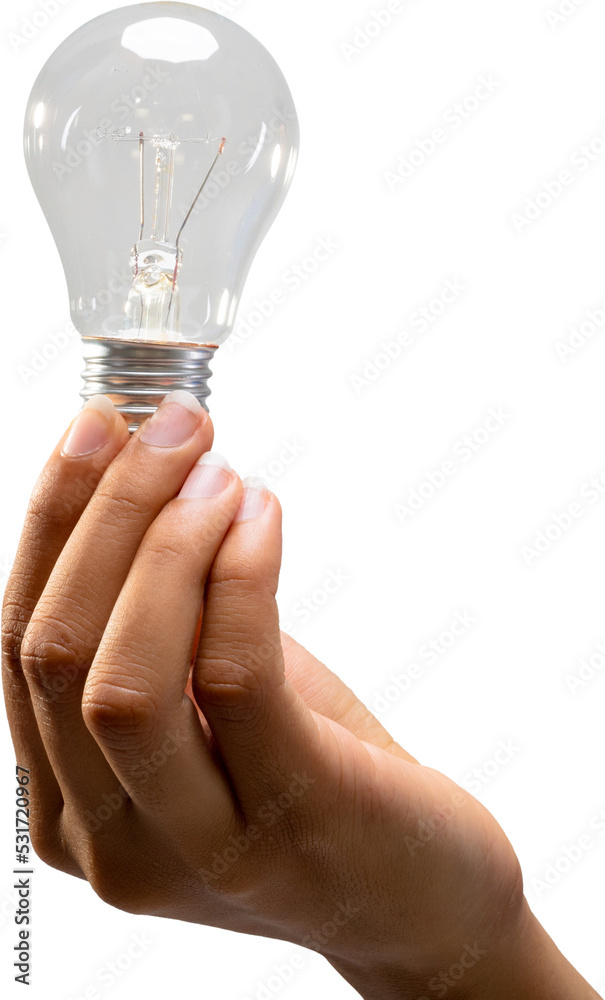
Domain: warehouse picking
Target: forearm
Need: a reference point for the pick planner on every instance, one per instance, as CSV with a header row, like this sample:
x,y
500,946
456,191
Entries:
x,y
527,965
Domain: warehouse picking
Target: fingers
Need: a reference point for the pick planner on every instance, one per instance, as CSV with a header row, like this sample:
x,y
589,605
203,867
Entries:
x,y
62,491
70,617
324,692
134,699
264,732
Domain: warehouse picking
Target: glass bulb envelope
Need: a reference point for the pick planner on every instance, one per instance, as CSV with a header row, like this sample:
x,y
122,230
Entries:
x,y
160,139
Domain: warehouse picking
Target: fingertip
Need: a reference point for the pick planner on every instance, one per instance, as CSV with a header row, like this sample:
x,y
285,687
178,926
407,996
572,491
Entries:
x,y
252,548
274,516
254,500
276,506
120,427
209,477
209,428
93,428
101,403
257,501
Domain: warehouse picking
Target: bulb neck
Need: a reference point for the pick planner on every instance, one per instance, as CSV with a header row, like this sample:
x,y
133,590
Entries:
x,y
136,375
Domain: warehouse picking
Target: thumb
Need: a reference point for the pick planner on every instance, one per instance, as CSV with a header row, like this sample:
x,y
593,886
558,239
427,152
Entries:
x,y
266,735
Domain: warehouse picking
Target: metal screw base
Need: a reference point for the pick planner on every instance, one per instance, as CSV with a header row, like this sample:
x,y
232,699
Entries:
x,y
136,375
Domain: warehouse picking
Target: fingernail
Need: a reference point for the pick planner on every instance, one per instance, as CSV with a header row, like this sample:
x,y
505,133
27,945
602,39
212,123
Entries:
x,y
254,499
91,428
208,478
174,421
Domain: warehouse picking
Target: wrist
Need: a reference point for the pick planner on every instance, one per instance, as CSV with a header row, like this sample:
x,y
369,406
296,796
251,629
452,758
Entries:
x,y
525,964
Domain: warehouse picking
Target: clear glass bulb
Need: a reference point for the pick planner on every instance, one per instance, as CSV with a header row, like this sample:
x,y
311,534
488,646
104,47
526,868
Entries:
x,y
160,140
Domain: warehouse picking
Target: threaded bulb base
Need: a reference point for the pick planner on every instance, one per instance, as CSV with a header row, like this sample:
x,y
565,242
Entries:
x,y
136,375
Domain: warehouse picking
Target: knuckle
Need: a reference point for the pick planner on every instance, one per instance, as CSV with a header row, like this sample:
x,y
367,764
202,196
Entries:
x,y
241,575
230,651
119,714
110,890
117,887
120,507
52,655
47,511
105,860
13,630
160,553
108,877
17,607
244,611
229,684
120,877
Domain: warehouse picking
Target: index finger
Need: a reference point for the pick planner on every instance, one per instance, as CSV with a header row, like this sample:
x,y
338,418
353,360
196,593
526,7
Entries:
x,y
59,498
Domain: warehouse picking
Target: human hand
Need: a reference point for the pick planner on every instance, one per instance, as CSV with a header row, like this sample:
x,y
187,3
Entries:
x,y
217,772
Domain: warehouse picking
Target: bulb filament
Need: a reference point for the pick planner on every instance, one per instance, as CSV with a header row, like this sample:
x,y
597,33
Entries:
x,y
153,304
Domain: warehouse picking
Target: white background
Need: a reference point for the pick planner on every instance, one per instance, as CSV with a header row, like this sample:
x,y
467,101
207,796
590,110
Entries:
x,y
291,384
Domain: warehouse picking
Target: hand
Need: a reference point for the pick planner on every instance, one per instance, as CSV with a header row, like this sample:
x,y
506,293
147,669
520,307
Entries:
x,y
205,767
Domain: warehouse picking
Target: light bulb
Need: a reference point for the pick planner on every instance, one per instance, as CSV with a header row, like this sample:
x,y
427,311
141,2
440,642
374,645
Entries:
x,y
160,140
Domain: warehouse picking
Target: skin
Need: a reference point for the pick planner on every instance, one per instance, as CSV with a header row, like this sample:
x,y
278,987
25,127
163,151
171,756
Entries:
x,y
215,771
